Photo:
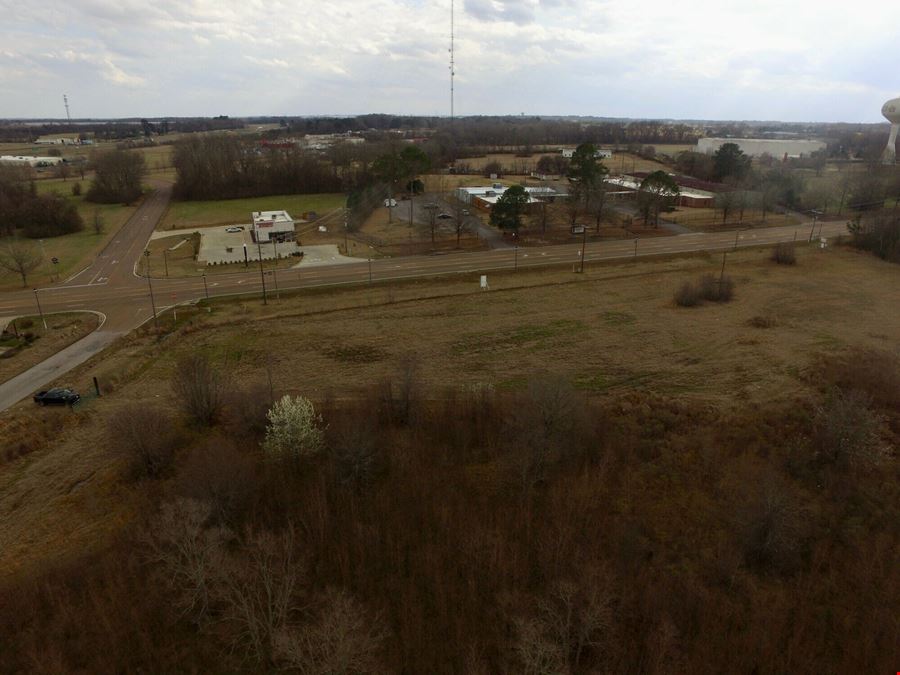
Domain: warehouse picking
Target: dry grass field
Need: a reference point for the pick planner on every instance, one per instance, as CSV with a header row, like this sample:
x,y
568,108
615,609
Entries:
x,y
611,331
708,220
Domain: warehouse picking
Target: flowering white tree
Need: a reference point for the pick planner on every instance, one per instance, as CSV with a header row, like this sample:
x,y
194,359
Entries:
x,y
295,429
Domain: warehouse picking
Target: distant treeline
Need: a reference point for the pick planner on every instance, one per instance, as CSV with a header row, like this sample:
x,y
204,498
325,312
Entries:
x,y
225,167
114,129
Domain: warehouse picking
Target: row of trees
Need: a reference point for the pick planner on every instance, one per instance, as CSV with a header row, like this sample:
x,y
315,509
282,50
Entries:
x,y
23,211
226,167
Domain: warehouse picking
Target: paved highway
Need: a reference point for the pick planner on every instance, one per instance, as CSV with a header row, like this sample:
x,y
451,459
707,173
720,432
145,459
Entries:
x,y
111,287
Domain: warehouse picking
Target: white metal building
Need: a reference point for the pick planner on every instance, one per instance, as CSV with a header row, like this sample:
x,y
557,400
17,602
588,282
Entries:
x,y
272,225
27,160
754,147
568,153
486,196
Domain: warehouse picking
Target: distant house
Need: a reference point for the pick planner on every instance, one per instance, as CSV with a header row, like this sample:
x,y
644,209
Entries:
x,y
272,226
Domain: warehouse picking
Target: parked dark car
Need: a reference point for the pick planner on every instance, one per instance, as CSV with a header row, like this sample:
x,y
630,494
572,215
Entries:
x,y
57,397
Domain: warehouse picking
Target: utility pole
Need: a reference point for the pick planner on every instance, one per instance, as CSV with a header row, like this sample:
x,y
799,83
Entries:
x,y
40,311
150,286
722,273
262,273
275,268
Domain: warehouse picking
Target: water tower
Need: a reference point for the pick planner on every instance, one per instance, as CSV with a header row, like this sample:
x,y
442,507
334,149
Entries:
x,y
891,110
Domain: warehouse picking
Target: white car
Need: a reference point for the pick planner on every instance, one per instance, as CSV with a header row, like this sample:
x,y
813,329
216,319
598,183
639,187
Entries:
x,y
234,228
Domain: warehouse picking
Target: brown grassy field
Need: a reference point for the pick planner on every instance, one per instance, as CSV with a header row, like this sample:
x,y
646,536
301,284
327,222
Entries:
x,y
613,330
62,330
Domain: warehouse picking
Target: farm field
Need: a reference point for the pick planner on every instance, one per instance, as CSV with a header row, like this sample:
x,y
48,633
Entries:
x,y
235,211
612,330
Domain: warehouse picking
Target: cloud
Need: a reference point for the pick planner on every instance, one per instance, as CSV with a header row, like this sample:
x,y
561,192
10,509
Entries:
x,y
734,59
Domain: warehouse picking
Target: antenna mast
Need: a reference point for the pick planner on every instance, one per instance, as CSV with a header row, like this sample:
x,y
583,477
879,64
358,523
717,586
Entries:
x,y
452,62
66,102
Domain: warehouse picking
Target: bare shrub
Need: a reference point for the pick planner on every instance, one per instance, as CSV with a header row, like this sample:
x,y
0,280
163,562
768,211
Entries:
x,y
716,288
354,454
398,399
222,477
846,432
256,587
762,322
784,253
343,638
200,386
188,552
144,436
771,528
247,407
688,295
875,373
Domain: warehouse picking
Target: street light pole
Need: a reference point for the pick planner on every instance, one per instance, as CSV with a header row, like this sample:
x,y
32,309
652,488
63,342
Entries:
x,y
205,287
150,286
262,274
583,244
40,311
245,256
166,261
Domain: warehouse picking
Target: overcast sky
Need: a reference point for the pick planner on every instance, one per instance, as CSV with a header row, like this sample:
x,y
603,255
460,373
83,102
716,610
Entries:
x,y
792,60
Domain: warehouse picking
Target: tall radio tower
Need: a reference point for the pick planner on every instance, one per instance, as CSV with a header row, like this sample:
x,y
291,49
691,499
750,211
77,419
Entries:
x,y
66,103
452,62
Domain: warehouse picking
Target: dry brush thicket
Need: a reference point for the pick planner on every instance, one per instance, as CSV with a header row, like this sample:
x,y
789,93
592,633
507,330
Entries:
x,y
485,531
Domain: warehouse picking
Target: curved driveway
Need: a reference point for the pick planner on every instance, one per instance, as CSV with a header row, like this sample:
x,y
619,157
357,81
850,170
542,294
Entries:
x,y
111,287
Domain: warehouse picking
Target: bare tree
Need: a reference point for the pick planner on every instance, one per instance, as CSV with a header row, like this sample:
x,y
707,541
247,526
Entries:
x,y
770,525
257,588
343,640
20,257
201,388
542,426
537,653
577,616
188,552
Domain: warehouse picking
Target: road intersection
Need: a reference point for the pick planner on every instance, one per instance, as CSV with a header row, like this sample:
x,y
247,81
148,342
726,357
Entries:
x,y
111,286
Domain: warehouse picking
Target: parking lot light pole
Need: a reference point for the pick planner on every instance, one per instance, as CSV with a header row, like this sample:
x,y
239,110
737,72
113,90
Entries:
x,y
262,273
40,311
150,286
